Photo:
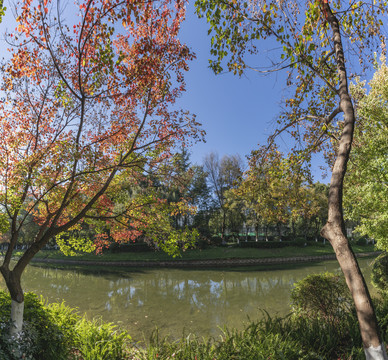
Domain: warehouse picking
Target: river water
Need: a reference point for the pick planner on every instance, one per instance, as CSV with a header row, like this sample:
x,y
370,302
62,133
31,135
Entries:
x,y
175,301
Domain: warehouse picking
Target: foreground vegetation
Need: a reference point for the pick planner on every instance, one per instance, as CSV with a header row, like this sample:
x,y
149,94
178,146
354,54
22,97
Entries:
x,y
317,328
55,331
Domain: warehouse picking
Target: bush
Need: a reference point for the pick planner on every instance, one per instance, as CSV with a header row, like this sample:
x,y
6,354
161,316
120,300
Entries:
x,y
288,237
216,240
380,273
265,244
252,343
300,242
361,241
255,342
41,337
129,247
203,243
322,296
290,338
100,341
381,306
57,332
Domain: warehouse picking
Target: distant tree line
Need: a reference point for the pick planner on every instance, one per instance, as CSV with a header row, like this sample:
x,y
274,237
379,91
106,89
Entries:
x,y
220,201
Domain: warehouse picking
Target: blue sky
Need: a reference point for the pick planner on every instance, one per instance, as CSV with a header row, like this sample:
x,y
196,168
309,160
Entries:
x,y
236,113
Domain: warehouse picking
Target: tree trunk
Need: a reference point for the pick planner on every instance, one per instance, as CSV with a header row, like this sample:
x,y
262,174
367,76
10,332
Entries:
x,y
17,310
223,226
334,229
279,229
13,283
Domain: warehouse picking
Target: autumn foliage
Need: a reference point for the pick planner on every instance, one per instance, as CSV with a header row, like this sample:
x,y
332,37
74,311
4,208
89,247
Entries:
x,y
89,102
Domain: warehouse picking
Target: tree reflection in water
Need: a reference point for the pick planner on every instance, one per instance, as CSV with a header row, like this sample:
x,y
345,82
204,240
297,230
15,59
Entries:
x,y
195,301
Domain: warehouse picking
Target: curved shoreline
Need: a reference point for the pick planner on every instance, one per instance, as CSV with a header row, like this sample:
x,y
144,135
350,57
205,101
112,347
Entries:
x,y
214,263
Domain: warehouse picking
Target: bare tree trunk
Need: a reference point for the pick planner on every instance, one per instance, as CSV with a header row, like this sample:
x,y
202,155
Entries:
x,y
279,229
334,229
293,228
223,226
13,277
13,283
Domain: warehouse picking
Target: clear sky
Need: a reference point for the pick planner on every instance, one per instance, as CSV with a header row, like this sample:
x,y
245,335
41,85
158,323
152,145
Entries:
x,y
236,113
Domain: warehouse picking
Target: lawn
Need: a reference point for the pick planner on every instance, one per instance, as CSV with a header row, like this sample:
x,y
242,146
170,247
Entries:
x,y
211,253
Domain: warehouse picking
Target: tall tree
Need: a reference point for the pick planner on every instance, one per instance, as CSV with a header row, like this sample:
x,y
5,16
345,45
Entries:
x,y
177,183
222,176
313,208
271,188
136,211
86,102
199,196
314,36
366,186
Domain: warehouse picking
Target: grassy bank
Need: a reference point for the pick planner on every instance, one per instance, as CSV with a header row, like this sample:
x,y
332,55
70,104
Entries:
x,y
207,254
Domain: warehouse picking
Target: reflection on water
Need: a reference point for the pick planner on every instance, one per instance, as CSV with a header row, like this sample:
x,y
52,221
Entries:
x,y
195,301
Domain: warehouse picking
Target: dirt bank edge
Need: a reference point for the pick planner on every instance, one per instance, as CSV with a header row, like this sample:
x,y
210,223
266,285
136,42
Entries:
x,y
202,263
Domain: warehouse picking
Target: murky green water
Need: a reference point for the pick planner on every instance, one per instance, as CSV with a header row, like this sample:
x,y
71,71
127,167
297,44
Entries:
x,y
195,301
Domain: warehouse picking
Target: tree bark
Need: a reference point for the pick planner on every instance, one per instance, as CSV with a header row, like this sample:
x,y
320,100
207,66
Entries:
x,y
223,226
334,229
17,311
13,282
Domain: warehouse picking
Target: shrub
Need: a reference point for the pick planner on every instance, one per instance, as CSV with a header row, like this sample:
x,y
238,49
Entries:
x,y
362,241
288,237
265,244
300,241
324,296
41,337
57,332
380,273
130,247
202,243
252,343
255,342
290,338
216,241
66,319
381,306
100,341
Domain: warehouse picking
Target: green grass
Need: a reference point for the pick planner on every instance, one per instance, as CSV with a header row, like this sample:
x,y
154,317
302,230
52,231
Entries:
x,y
211,253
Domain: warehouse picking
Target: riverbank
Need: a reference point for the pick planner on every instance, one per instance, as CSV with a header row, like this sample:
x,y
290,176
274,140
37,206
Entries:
x,y
58,329
210,258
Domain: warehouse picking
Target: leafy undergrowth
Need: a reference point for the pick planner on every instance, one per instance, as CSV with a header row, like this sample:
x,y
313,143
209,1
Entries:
x,y
290,338
55,331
